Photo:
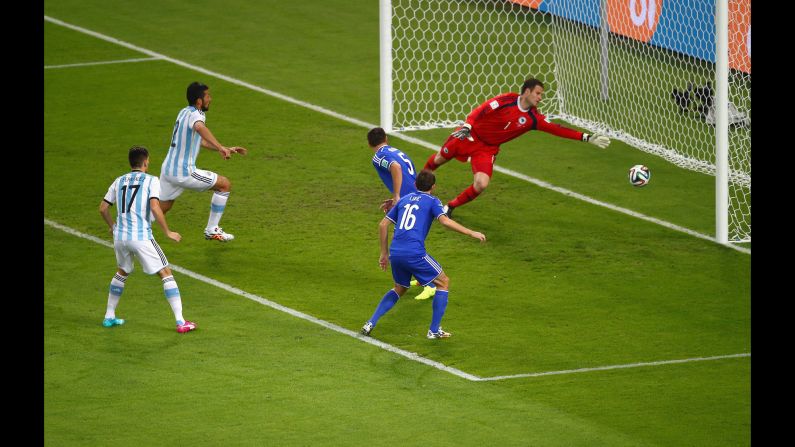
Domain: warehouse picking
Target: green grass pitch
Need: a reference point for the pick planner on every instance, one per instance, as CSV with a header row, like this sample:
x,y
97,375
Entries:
x,y
561,284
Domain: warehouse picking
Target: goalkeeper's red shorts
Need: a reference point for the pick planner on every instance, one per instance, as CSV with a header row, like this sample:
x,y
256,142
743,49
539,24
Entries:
x,y
481,155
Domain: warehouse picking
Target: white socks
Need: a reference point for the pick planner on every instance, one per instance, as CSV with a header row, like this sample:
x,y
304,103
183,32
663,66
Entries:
x,y
114,294
172,296
217,206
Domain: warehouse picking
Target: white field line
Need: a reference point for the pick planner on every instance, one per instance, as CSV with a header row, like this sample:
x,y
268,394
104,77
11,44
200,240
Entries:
x,y
86,64
605,368
367,125
409,355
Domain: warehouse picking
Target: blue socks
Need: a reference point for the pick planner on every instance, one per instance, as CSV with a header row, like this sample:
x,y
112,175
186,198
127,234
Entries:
x,y
391,297
387,302
439,305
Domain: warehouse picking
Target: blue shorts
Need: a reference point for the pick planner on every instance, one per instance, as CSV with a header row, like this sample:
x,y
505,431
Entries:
x,y
424,268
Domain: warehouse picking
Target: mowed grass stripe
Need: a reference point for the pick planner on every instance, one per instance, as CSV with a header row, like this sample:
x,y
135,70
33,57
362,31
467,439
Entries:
x,y
626,291
541,309
364,124
274,305
409,355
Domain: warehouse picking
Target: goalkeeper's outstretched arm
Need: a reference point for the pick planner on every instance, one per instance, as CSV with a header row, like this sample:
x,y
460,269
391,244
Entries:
x,y
597,140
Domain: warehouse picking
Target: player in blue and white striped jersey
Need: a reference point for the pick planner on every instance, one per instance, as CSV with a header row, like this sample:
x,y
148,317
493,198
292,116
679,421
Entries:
x,y
412,216
136,195
179,171
395,168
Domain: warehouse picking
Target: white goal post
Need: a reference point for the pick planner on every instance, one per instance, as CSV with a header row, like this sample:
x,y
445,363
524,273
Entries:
x,y
669,77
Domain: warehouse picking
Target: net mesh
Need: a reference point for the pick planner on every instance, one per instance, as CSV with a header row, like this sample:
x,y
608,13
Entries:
x,y
650,89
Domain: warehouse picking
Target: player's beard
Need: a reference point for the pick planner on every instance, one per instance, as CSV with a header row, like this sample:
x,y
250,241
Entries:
x,y
205,108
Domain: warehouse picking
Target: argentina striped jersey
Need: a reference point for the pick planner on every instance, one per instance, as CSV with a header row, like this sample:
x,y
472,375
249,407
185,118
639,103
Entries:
x,y
131,193
185,144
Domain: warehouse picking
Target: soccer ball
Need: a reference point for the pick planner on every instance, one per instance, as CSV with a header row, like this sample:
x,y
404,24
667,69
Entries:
x,y
639,175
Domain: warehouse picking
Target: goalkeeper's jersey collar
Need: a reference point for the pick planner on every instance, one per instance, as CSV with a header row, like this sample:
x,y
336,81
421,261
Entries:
x,y
519,104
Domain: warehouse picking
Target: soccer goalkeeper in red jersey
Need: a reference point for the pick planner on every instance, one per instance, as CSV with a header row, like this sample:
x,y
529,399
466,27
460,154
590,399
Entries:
x,y
497,121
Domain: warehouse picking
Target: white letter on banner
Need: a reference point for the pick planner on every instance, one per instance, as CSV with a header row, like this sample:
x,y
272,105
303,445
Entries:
x,y
647,12
652,12
748,45
637,19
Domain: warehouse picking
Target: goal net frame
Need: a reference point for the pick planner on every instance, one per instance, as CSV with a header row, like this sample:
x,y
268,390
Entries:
x,y
716,46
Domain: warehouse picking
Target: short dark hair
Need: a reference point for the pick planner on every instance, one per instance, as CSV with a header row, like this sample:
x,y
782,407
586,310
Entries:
x,y
137,156
195,92
425,180
531,84
376,136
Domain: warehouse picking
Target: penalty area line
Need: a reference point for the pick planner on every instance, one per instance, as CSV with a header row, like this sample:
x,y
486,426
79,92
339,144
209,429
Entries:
x,y
385,346
298,314
402,136
606,368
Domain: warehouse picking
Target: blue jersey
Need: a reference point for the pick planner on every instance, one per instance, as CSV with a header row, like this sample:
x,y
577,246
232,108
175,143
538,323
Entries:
x,y
413,215
387,155
131,193
180,160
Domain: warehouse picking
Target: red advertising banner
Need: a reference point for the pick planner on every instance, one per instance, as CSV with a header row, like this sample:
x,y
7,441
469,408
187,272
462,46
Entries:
x,y
740,35
637,19
529,3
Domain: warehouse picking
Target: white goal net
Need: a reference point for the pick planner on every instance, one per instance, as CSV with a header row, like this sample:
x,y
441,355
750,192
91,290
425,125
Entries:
x,y
641,71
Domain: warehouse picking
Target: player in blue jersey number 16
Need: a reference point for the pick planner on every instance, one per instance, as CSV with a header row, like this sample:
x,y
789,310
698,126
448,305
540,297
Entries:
x,y
412,216
398,174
